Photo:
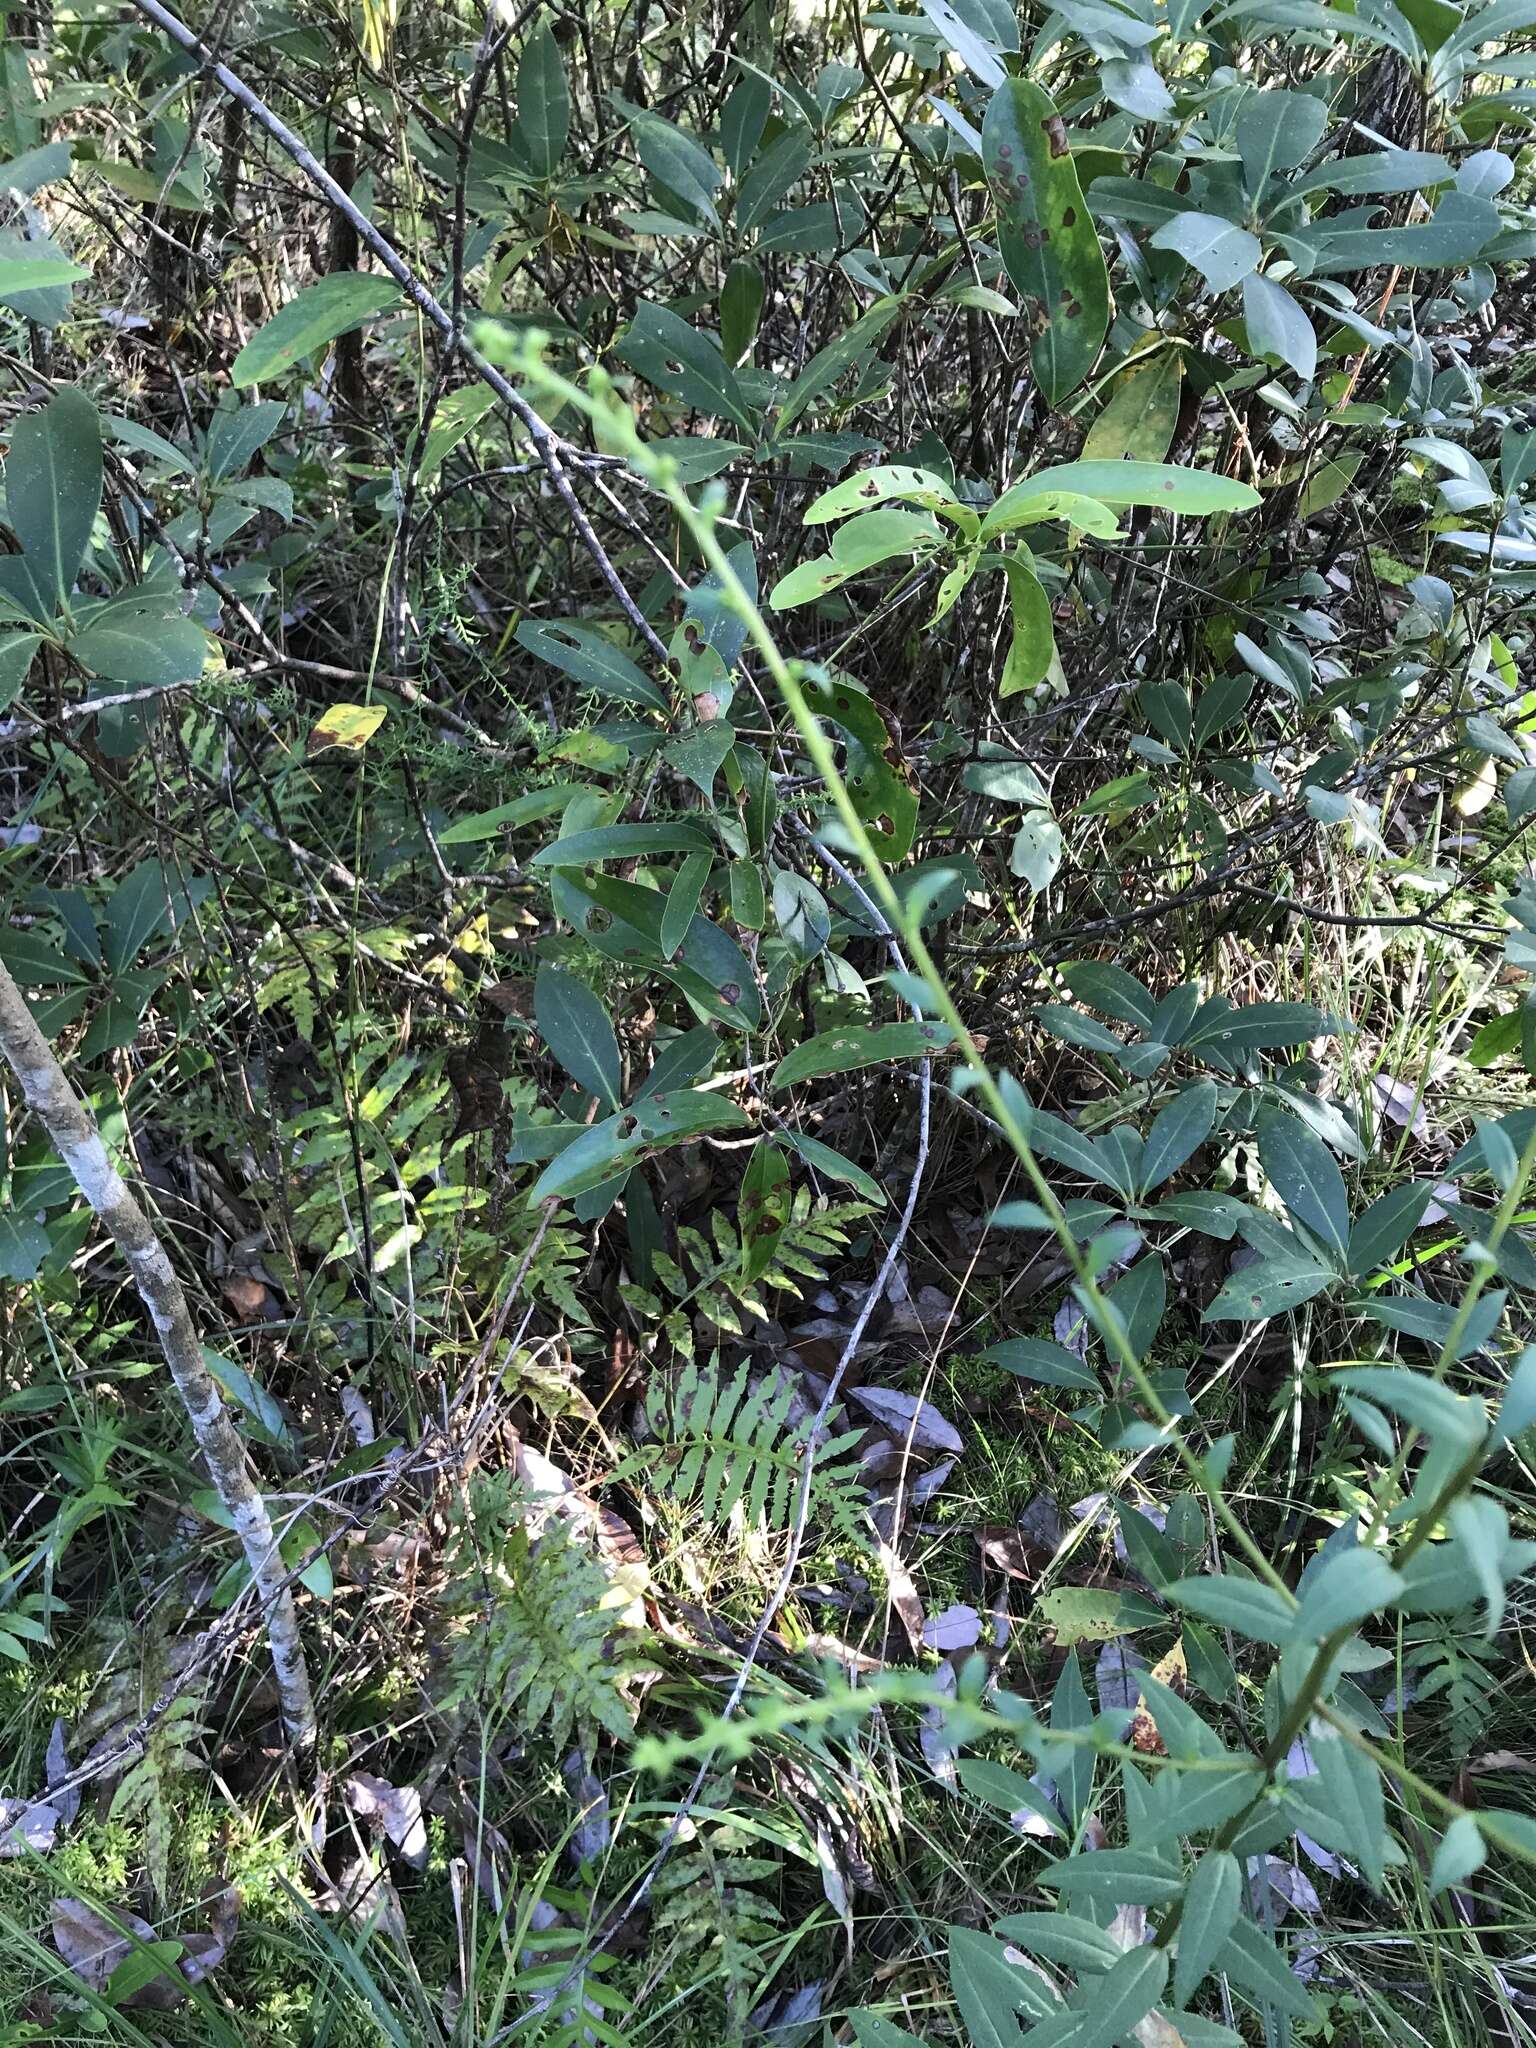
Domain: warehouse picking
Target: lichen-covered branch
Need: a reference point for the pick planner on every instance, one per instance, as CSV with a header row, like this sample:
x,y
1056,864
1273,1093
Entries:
x,y
70,1125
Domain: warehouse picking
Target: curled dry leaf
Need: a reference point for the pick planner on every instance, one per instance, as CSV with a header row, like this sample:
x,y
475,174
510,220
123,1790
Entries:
x,y
589,1838
27,1827
95,1949
957,1628
394,1808
1399,1103
905,1415
903,1595
55,1770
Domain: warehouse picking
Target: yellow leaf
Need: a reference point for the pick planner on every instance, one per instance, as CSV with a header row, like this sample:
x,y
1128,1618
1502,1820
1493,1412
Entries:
x,y
346,725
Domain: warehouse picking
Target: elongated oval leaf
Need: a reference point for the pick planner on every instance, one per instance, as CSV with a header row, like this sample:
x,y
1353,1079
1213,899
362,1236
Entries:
x,y
1046,233
329,307
859,1045
574,1025
623,842
1195,493
53,488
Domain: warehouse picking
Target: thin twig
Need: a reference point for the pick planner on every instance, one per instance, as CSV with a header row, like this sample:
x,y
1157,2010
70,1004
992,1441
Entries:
x,y
549,447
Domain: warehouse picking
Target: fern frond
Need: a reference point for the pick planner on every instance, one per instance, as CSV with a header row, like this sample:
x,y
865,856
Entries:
x,y
538,1642
732,1446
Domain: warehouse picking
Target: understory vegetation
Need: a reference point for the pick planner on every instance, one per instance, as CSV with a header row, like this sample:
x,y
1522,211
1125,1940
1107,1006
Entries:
x,y
765,774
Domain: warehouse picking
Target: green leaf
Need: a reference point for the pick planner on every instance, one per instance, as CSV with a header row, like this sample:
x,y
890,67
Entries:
x,y
1049,1364
822,1159
1106,987
574,1025
1223,253
1177,1133
543,102
1062,1938
1259,1966
1211,1907
1046,234
1461,228
1139,1299
36,962
991,1991
1110,2008
1278,327
683,167
1008,1790
330,307
878,779
831,363
1032,647
1141,413
20,275
676,357
1037,851
683,901
1258,1027
1343,1588
53,489
151,899
17,652
141,641
1302,1169
1051,1137
23,1247
1251,1609
1218,1216
1460,1853
623,842
800,910
1125,1877
248,1393
1195,493
872,2030
1275,131
591,658
763,1209
1007,780
1381,1231
608,1148
1351,1786
859,1045
1419,1400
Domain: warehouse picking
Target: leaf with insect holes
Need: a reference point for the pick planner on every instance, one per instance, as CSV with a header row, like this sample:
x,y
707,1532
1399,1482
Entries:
x,y
859,1045
878,780
763,1209
1141,413
1046,234
350,726
1301,1168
